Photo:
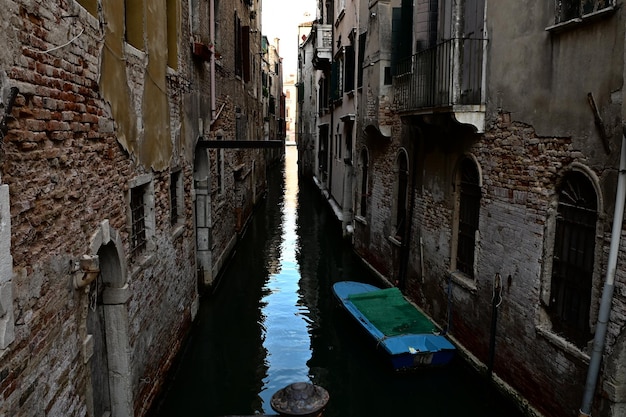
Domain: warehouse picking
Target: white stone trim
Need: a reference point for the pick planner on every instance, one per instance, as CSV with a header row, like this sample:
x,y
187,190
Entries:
x,y
7,321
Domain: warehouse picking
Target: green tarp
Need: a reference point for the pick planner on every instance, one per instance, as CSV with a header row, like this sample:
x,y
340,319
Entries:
x,y
391,313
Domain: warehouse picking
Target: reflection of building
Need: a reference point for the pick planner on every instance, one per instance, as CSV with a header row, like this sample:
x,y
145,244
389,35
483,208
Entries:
x,y
291,102
484,164
273,99
112,206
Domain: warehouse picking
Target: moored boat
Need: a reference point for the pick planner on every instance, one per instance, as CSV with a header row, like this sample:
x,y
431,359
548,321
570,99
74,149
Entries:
x,y
399,328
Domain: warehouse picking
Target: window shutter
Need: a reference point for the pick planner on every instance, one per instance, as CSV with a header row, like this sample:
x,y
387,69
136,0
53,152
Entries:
x,y
245,51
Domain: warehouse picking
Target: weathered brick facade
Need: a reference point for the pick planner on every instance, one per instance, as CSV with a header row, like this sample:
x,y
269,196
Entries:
x,y
98,288
501,92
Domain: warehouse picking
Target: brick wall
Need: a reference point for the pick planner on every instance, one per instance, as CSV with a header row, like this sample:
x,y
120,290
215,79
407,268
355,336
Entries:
x,y
67,174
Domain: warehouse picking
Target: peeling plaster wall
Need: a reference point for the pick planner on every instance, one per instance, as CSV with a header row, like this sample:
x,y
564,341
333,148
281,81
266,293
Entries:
x,y
145,99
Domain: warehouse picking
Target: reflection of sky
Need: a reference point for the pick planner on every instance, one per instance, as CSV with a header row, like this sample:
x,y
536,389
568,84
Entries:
x,y
285,321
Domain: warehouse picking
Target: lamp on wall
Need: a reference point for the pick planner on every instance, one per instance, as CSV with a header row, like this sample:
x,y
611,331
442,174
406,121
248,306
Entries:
x,y
89,268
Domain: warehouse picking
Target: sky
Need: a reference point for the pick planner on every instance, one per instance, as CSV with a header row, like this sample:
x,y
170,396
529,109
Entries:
x,y
280,19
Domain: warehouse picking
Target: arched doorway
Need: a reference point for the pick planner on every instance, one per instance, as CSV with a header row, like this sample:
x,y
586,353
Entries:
x,y
107,326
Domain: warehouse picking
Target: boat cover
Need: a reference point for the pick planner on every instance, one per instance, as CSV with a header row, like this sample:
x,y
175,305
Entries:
x,y
391,313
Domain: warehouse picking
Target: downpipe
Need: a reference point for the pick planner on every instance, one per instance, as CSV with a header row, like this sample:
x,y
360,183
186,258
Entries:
x,y
609,286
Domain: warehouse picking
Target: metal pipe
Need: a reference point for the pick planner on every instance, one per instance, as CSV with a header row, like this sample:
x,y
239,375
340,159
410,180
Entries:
x,y
609,286
495,303
212,59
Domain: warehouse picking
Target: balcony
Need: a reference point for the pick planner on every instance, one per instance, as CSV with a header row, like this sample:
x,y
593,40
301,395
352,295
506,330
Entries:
x,y
445,78
323,46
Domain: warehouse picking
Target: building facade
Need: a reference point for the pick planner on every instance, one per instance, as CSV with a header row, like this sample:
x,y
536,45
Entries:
x,y
487,184
116,203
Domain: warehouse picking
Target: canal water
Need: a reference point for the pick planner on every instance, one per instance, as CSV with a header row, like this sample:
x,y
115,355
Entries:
x,y
272,321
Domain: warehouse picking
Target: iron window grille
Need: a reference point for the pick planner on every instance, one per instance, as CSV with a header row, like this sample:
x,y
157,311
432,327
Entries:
x,y
573,259
469,210
138,240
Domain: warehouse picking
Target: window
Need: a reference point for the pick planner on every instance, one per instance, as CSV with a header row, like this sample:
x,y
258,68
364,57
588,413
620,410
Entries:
x,y
402,188
238,51
401,33
176,197
364,180
141,214
338,147
336,78
362,40
573,259
572,9
348,85
242,50
468,194
134,23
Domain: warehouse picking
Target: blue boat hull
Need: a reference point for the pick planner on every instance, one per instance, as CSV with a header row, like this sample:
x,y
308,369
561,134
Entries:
x,y
407,351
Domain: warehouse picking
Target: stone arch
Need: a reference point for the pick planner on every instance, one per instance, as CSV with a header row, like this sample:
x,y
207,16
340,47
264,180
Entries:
x,y
458,165
108,327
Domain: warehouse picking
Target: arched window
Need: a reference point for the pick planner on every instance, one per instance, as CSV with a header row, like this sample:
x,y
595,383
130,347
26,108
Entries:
x,y
573,258
402,185
468,194
364,180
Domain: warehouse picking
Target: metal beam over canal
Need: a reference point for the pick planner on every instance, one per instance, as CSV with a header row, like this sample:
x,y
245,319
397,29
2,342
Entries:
x,y
239,144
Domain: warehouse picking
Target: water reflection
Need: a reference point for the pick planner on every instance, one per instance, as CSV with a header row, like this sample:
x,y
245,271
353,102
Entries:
x,y
284,314
273,321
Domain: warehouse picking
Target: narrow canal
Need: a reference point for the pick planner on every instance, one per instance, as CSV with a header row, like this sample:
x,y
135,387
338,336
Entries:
x,y
272,321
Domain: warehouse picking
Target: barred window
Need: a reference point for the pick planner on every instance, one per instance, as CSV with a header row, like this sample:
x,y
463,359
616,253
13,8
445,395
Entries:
x,y
176,197
573,260
138,220
469,195
141,220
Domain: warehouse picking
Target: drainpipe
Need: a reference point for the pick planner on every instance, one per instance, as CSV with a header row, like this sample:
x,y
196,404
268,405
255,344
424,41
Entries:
x,y
609,286
405,246
212,60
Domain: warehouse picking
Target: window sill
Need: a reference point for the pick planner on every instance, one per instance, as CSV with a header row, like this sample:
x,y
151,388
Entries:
x,y
576,22
463,281
562,344
141,262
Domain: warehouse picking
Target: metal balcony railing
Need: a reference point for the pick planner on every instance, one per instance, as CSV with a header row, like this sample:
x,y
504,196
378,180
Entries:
x,y
446,75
